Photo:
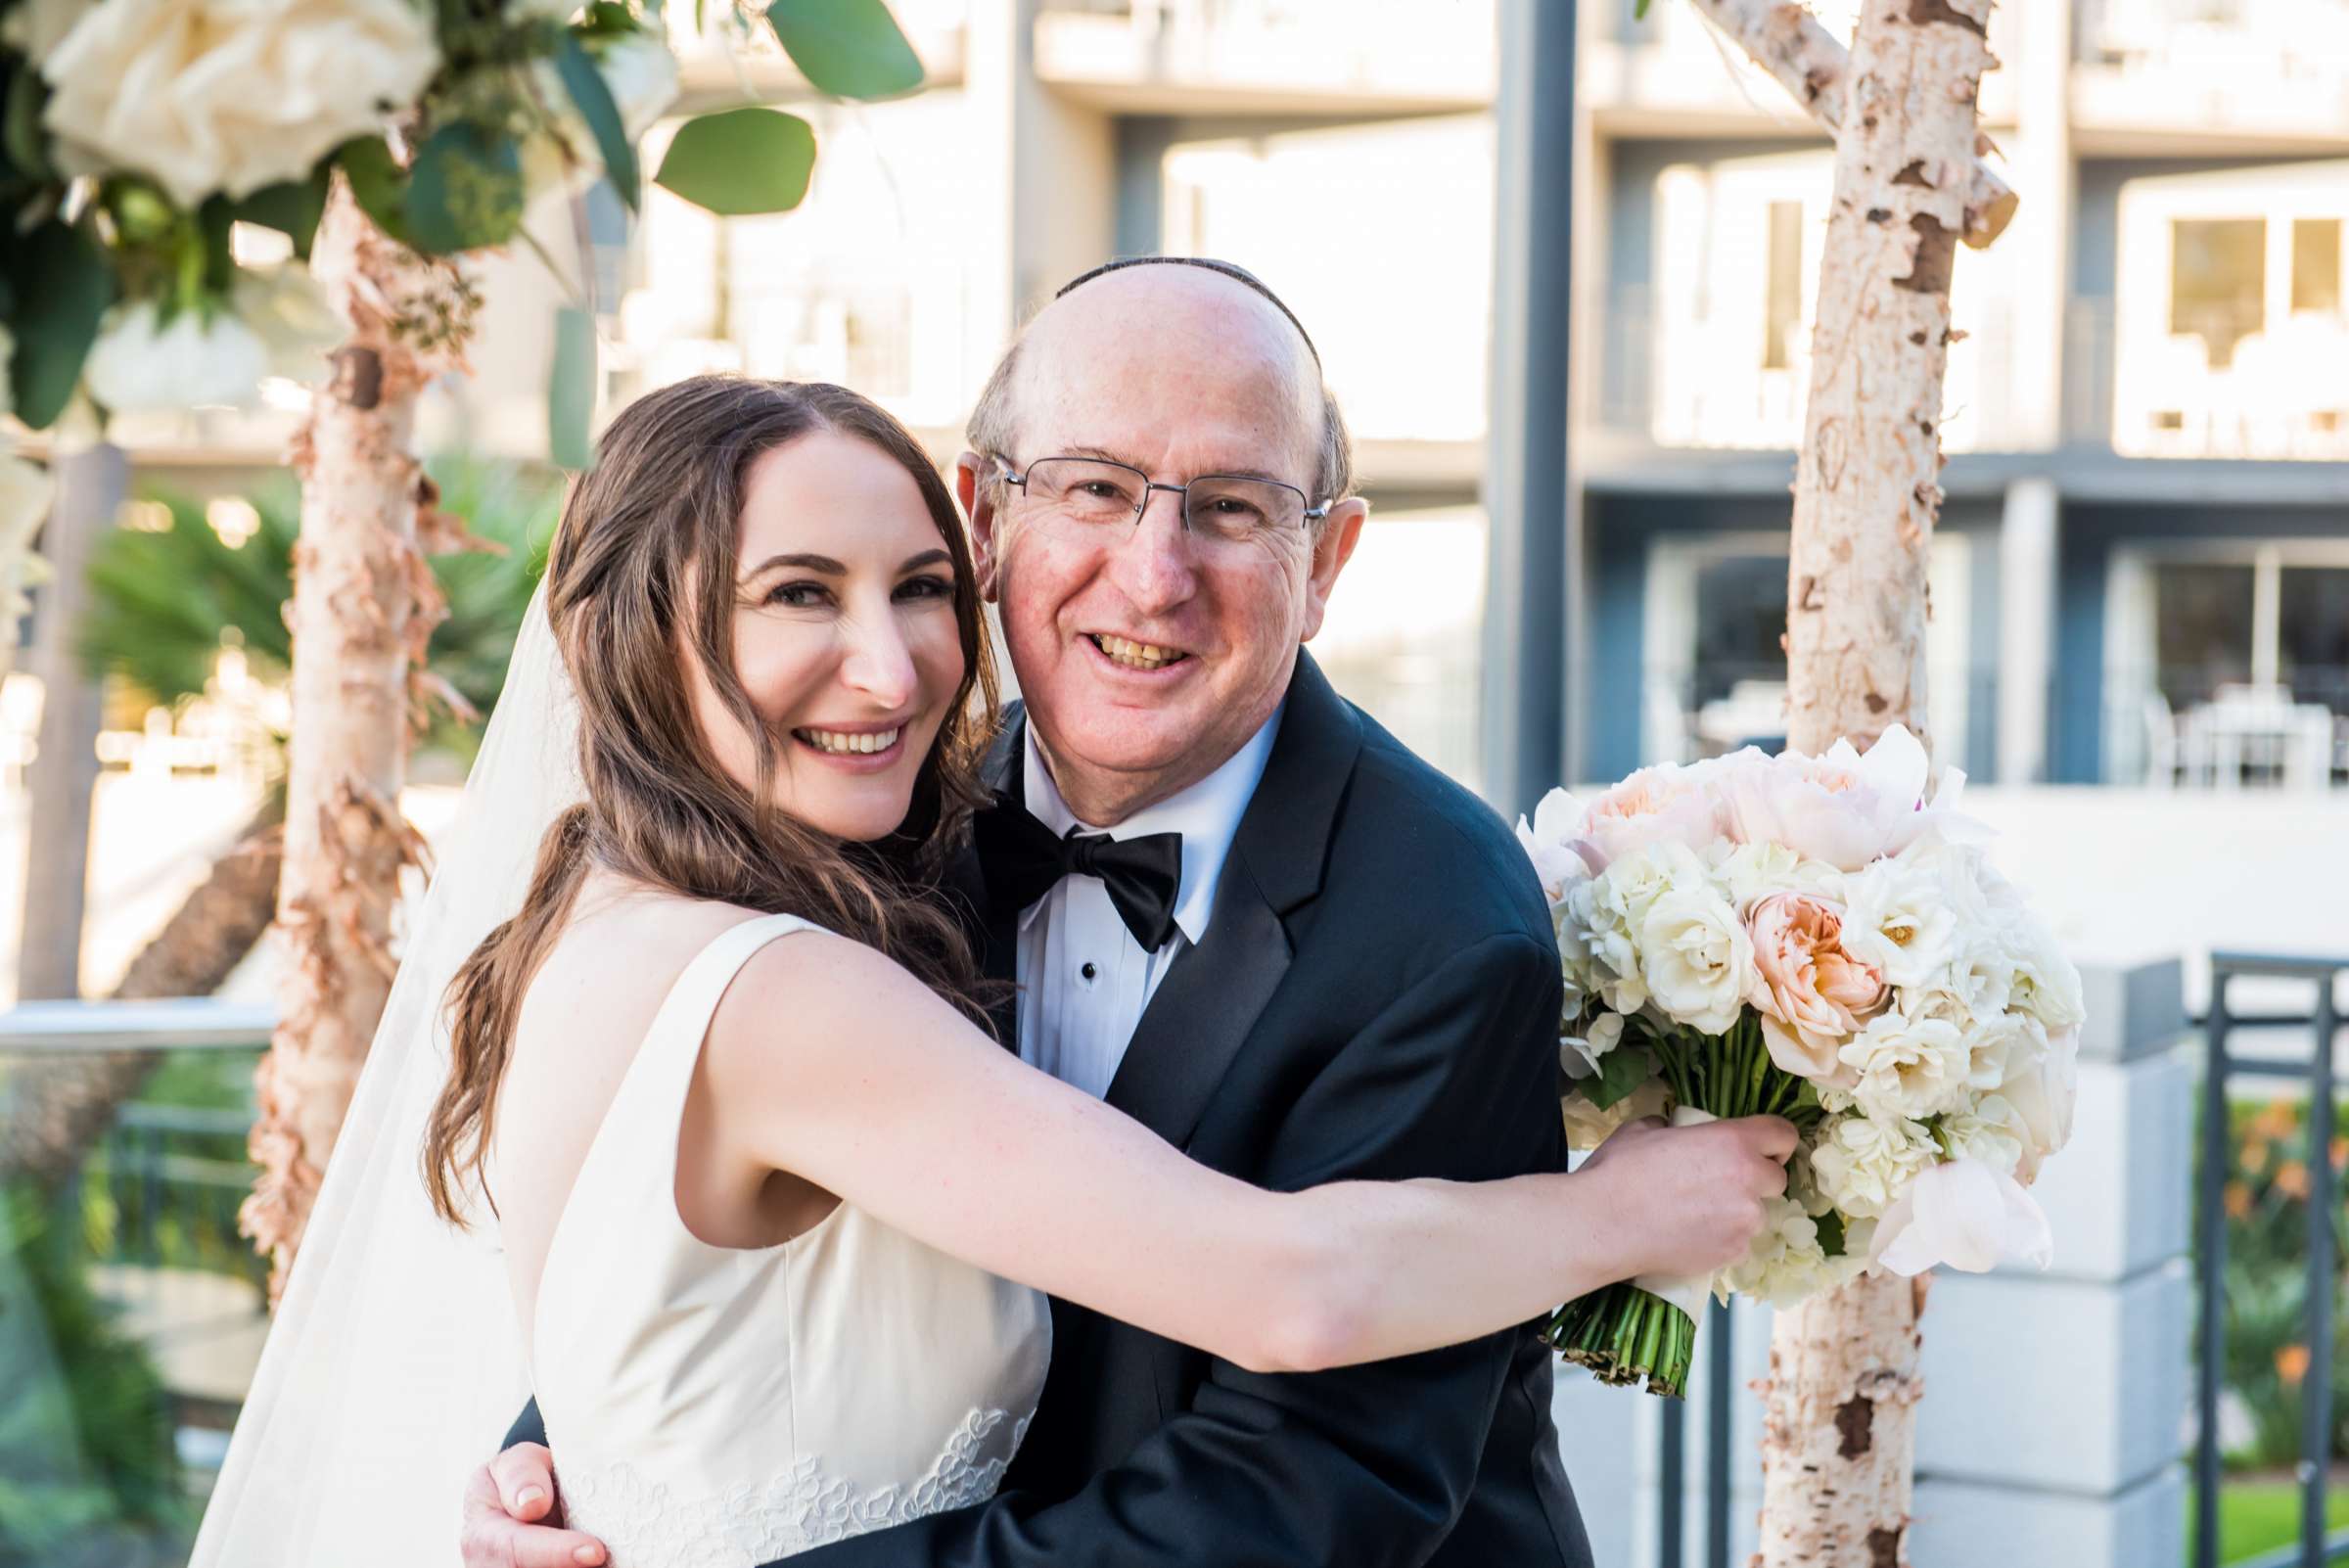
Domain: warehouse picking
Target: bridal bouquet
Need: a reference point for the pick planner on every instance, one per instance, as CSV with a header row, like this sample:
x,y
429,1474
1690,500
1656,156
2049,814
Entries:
x,y
1821,939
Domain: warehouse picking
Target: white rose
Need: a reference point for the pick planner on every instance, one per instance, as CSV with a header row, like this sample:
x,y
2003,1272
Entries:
x,y
1861,1165
639,73
1897,917
1910,1062
2046,983
229,96
1751,872
141,363
35,26
1696,957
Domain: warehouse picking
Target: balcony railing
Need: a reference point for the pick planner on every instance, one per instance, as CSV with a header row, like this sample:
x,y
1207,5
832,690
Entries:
x,y
2222,68
1210,57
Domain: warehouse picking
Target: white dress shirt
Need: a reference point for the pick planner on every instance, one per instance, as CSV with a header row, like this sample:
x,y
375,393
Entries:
x,y
1083,979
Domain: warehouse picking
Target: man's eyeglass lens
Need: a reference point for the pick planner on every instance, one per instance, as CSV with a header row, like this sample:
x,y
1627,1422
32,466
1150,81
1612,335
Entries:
x,y
1080,493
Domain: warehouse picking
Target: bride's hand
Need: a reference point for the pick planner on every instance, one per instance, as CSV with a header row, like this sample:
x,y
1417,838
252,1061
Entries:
x,y
509,1514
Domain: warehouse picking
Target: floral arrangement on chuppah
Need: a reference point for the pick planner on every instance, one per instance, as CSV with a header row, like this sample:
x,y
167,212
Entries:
x,y
1826,940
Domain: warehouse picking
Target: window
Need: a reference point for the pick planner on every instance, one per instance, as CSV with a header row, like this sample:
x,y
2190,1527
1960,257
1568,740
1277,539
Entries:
x,y
2313,629
2317,264
2202,629
1782,306
2218,282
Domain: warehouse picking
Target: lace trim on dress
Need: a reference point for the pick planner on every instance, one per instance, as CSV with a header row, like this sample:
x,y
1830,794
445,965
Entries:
x,y
645,1524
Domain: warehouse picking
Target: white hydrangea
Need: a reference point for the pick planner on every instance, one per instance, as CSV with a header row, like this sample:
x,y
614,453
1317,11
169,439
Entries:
x,y
142,364
1751,872
1861,1165
1992,1132
1579,1055
1609,908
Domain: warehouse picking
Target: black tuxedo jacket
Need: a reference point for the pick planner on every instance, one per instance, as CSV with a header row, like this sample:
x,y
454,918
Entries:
x,y
1377,997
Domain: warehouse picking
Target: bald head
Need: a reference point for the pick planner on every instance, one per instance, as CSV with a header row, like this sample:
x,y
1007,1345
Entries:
x,y
1210,325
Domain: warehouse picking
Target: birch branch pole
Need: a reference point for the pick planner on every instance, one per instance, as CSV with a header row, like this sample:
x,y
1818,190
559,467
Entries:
x,y
364,603
1785,40
1839,1424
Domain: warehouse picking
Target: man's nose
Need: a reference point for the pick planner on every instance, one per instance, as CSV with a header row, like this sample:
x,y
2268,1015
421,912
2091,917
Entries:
x,y
878,663
1156,566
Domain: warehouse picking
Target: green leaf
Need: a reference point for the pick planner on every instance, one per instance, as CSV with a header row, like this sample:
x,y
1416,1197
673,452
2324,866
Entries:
x,y
465,191
1830,1233
292,208
59,267
1640,10
21,135
1620,1071
593,95
850,48
378,183
741,161
571,390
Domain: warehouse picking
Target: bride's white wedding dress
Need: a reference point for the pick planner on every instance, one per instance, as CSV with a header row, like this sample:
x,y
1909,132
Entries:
x,y
712,1407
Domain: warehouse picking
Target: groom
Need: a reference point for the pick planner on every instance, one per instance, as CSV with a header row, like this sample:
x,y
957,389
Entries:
x,y
1351,972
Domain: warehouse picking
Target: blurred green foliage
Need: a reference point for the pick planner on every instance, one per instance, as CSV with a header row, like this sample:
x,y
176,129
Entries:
x,y
87,1462
163,603
2266,1194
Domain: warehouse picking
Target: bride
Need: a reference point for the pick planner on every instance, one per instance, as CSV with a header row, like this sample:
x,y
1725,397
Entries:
x,y
710,1103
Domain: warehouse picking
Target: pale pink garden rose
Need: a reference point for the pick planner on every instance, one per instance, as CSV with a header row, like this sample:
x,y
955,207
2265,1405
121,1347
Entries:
x,y
1843,808
1811,993
1965,1215
1665,802
1548,841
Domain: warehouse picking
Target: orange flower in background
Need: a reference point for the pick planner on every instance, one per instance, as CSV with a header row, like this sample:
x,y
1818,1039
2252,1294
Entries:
x,y
2340,1151
2255,1155
2291,1177
2238,1200
2291,1362
2277,1119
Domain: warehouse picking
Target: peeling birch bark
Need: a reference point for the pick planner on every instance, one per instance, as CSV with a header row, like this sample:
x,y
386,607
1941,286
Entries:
x,y
364,603
1786,40
1839,1430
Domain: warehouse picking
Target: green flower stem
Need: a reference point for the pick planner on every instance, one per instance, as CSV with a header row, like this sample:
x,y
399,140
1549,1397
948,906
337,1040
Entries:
x,y
1626,1336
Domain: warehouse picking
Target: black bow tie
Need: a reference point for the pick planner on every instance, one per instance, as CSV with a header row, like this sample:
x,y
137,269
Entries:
x,y
1023,861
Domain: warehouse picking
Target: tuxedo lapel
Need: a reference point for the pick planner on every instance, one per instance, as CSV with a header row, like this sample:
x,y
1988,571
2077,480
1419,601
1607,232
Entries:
x,y
1206,1007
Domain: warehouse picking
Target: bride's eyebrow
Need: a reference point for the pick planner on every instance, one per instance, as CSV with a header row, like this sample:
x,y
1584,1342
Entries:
x,y
801,561
928,558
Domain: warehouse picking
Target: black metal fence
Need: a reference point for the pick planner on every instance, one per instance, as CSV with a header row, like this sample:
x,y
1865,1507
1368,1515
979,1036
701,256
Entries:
x,y
2316,1071
1721,1384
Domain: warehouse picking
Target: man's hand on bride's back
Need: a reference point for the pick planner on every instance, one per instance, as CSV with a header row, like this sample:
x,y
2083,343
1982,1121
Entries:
x,y
511,1520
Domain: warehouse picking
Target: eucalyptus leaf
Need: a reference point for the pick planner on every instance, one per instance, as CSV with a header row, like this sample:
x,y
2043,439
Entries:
x,y
377,183
61,269
20,125
570,390
292,208
593,96
741,161
1620,1071
465,191
848,48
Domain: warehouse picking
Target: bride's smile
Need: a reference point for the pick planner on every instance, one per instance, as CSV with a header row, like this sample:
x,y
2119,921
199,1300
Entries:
x,y
845,635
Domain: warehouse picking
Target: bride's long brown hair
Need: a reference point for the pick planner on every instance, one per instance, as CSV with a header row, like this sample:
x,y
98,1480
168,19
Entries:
x,y
644,562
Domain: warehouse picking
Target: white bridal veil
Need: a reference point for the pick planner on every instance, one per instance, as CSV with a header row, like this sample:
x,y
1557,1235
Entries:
x,y
393,1365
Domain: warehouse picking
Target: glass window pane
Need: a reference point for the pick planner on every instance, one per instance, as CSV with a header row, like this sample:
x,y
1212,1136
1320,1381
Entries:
x,y
2317,264
2202,629
2218,281
1401,637
2314,631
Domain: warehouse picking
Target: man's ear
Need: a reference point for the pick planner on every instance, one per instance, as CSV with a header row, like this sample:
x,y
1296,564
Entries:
x,y
1333,547
972,486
